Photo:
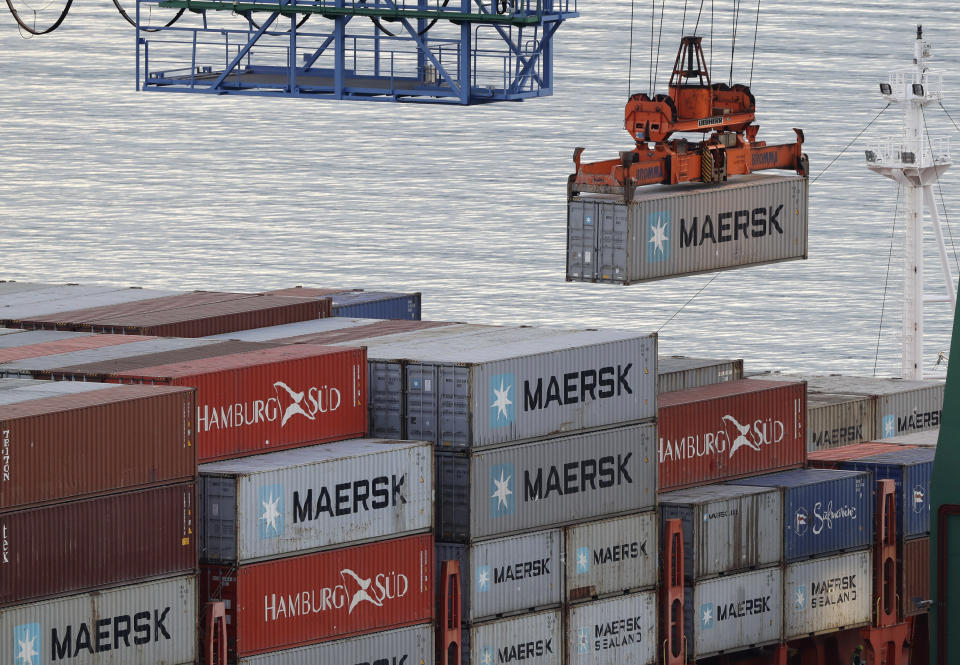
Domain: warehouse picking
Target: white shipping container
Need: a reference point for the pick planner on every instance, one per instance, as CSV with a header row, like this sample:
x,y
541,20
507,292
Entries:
x,y
734,612
827,594
533,639
611,556
406,646
665,231
308,498
616,631
839,420
153,623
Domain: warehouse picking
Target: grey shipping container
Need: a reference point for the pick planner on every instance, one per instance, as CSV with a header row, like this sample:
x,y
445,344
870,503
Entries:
x,y
686,229
926,438
508,575
512,384
28,337
827,594
611,556
546,483
679,372
726,528
406,646
735,612
47,302
615,631
296,329
303,499
902,406
534,639
153,623
835,420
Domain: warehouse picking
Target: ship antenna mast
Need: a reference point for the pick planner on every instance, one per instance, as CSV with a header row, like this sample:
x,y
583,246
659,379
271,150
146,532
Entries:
x,y
915,161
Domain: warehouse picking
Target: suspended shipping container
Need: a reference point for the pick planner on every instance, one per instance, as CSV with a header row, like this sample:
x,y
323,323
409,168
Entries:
x,y
312,598
320,496
95,442
96,543
508,575
839,420
726,528
680,373
546,483
405,646
666,231
276,398
730,430
827,594
152,623
612,556
733,613
534,639
824,511
615,631
915,573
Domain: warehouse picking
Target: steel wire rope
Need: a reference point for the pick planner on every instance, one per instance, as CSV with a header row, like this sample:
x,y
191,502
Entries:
x,y
653,16
683,23
886,279
656,69
850,144
697,24
123,13
688,302
946,217
33,31
733,37
755,30
629,58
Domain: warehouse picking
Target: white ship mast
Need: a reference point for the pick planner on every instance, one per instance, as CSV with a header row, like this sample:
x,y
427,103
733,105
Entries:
x,y
915,161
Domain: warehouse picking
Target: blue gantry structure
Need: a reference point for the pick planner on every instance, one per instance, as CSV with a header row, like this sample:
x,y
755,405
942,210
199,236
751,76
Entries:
x,y
441,51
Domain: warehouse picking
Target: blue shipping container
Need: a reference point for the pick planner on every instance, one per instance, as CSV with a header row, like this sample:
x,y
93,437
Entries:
x,y
377,305
910,469
825,511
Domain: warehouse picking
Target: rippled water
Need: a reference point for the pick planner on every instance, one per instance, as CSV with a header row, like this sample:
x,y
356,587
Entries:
x,y
467,205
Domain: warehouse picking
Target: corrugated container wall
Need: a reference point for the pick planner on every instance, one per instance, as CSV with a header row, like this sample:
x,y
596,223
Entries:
x,y
96,442
508,575
321,496
96,543
406,646
616,631
377,305
301,600
833,458
251,402
545,483
839,420
730,430
534,639
827,594
666,231
915,571
31,304
680,373
153,623
726,528
824,511
734,612
611,556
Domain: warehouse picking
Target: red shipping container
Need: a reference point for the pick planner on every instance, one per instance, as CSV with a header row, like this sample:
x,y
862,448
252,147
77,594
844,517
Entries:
x,y
66,346
95,543
730,430
289,602
832,457
91,443
259,401
915,576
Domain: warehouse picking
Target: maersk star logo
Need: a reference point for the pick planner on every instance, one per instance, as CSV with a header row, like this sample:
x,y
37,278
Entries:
x,y
889,426
26,639
270,522
583,640
502,397
486,656
502,499
583,560
706,615
658,236
800,598
483,578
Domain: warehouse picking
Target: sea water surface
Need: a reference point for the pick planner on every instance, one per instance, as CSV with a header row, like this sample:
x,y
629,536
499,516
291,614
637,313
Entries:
x,y
101,183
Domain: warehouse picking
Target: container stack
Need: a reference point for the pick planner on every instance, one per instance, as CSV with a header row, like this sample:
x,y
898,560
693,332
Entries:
x,y
97,516
360,303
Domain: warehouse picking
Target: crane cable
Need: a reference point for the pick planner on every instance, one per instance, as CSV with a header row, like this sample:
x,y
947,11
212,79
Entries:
x,y
753,57
886,279
33,31
733,38
629,59
123,13
851,143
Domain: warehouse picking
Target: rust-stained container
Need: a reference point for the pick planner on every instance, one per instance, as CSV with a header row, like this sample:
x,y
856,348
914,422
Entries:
x,y
831,458
915,573
95,442
66,346
96,543
285,603
271,399
730,430
213,318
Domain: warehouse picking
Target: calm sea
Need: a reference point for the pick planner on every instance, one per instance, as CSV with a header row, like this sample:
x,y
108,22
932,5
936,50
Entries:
x,y
101,183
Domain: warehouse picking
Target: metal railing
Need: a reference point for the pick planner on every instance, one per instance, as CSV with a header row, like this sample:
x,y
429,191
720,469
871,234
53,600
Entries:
x,y
906,153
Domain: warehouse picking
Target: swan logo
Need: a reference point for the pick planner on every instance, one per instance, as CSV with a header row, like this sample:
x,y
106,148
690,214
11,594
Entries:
x,y
27,647
348,595
658,236
801,521
741,438
361,590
